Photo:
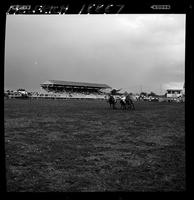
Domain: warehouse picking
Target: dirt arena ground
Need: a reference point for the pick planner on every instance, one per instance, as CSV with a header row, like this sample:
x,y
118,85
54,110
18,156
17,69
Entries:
x,y
83,145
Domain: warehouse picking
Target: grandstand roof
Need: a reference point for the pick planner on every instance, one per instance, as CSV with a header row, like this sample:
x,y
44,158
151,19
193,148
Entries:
x,y
79,84
174,89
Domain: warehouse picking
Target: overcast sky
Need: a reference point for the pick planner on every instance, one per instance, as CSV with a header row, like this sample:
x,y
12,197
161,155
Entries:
x,y
131,51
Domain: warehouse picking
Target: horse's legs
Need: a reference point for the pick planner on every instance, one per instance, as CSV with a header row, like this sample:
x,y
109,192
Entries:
x,y
124,105
128,106
114,107
121,106
133,106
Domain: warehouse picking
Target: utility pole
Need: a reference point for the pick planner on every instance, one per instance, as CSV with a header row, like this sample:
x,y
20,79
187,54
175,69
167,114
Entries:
x,y
160,89
140,89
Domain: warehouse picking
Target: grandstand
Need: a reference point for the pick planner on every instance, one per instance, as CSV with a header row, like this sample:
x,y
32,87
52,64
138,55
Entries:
x,y
79,90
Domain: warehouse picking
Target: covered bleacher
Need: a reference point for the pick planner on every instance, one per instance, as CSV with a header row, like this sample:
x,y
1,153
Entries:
x,y
75,90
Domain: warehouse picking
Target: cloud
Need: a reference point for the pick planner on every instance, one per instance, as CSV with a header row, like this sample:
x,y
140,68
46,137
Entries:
x,y
120,50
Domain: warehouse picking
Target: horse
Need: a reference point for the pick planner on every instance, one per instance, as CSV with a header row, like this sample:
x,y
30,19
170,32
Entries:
x,y
126,103
129,103
112,101
123,104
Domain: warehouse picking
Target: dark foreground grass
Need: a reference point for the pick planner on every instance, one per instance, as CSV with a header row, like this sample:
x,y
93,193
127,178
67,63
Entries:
x,y
83,145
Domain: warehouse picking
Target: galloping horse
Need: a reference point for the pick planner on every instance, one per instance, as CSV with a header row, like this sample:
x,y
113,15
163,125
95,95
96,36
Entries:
x,y
112,101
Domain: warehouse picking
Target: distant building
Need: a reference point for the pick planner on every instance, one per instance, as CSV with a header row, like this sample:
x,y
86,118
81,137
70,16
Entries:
x,y
174,93
183,90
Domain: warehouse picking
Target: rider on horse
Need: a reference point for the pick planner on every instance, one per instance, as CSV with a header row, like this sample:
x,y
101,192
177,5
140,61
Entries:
x,y
112,101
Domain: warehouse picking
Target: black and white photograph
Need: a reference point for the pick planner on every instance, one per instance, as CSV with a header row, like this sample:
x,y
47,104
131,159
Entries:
x,y
95,103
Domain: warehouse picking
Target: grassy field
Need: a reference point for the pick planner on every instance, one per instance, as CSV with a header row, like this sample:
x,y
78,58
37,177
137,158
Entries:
x,y
83,145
